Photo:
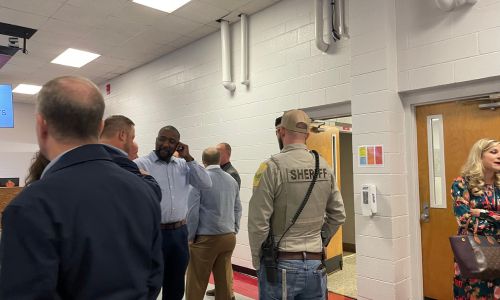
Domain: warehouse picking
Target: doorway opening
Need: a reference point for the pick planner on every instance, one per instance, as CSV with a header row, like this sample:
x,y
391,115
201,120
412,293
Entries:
x,y
332,138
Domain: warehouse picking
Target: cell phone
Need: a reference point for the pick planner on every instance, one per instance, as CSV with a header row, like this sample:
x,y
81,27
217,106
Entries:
x,y
179,148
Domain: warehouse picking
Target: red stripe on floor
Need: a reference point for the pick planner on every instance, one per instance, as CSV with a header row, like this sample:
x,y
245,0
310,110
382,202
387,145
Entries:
x,y
247,286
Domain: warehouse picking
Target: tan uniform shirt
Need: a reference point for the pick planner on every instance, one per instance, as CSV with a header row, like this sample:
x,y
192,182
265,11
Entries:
x,y
280,185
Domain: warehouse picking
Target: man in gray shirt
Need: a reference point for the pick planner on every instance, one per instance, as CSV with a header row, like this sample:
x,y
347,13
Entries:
x,y
213,221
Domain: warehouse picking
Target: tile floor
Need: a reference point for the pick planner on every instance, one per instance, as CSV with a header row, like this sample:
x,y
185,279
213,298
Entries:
x,y
341,284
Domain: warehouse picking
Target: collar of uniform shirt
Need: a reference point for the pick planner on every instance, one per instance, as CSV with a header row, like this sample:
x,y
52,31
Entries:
x,y
293,147
212,167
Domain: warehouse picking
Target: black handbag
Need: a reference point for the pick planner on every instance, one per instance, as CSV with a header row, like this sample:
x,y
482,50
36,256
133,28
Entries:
x,y
478,256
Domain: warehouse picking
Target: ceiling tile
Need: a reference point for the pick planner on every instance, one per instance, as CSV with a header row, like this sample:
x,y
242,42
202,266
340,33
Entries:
x,y
20,18
56,39
123,26
64,28
103,7
153,37
256,5
202,31
137,13
25,61
44,49
37,7
229,5
201,12
80,15
176,24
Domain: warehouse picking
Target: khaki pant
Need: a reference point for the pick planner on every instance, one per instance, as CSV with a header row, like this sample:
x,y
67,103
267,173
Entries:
x,y
210,253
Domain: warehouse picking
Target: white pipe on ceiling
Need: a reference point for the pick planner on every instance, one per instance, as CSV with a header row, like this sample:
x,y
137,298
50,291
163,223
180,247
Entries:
x,y
449,5
244,49
226,56
319,26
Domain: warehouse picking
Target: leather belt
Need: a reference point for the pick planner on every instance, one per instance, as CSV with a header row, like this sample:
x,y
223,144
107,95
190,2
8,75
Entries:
x,y
283,255
174,225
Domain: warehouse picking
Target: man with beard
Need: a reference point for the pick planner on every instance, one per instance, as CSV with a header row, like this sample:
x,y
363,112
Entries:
x,y
281,187
277,123
175,177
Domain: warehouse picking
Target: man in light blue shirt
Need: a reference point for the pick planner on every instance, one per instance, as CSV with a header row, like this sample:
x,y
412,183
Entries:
x,y
175,177
213,222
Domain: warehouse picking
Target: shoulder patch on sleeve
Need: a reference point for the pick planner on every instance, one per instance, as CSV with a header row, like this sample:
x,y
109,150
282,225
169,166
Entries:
x,y
258,175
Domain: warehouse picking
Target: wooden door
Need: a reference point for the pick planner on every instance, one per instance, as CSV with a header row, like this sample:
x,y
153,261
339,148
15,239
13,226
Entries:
x,y
463,124
326,142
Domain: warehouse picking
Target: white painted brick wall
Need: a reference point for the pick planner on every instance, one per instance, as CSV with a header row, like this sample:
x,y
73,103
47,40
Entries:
x,y
183,89
437,48
382,241
429,48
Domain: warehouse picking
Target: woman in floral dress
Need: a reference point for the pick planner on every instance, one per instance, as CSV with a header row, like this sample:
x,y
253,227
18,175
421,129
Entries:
x,y
476,195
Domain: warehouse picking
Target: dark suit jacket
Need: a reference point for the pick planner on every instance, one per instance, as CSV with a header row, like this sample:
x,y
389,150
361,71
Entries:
x,y
121,160
87,230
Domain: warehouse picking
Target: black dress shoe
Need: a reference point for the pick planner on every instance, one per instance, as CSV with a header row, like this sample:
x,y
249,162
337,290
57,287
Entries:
x,y
210,292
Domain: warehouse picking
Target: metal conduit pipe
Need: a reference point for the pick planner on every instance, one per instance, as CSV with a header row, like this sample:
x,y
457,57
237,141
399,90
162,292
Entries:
x,y
448,5
340,17
319,26
226,56
244,49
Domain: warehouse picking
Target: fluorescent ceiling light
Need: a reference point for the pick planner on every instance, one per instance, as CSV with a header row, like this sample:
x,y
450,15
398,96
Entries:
x,y
163,5
29,89
75,58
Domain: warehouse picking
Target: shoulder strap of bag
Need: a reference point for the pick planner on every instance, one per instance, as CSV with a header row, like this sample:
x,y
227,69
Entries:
x,y
306,197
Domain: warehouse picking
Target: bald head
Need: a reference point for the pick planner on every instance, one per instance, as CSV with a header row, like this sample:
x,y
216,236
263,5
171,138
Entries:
x,y
211,156
72,108
225,153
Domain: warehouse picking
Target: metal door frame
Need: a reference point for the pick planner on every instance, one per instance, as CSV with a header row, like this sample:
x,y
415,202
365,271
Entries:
x,y
411,100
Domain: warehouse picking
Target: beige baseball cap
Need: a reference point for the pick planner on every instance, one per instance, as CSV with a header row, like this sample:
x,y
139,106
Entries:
x,y
296,120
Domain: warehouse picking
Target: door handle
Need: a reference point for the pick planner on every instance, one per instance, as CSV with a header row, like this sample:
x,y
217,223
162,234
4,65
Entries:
x,y
424,217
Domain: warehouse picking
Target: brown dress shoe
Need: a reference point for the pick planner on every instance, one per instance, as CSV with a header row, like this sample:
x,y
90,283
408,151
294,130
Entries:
x,y
210,292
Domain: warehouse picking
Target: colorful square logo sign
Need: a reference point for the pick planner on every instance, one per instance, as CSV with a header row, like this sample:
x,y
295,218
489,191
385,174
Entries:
x,y
6,107
371,155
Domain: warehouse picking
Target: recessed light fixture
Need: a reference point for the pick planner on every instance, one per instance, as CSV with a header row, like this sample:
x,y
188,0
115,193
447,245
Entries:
x,y
163,5
29,89
75,58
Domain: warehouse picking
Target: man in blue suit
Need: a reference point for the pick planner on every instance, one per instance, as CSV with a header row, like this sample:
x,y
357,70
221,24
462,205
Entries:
x,y
87,229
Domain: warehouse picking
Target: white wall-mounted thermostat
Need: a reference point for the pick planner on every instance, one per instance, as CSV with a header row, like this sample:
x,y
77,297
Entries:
x,y
368,199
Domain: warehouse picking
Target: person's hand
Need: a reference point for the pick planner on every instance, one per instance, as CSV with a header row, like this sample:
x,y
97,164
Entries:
x,y
143,172
475,212
183,151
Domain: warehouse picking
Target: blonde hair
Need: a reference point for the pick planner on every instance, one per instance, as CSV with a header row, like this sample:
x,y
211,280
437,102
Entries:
x,y
473,169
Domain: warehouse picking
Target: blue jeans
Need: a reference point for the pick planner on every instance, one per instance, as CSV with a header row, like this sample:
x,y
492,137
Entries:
x,y
297,279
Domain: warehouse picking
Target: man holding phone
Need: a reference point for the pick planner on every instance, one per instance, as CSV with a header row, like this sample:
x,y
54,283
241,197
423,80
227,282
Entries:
x,y
175,175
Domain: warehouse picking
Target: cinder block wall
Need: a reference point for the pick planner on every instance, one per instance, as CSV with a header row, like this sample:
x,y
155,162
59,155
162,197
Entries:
x,y
184,89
